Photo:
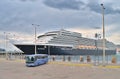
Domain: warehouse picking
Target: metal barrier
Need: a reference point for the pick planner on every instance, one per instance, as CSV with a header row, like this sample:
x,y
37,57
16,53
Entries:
x,y
110,59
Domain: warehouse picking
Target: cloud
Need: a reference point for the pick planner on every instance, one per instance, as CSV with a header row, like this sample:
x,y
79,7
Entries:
x,y
95,6
29,0
18,16
114,38
64,4
22,15
89,33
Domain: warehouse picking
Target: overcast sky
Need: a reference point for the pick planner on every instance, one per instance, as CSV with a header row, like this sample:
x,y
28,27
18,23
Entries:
x,y
83,16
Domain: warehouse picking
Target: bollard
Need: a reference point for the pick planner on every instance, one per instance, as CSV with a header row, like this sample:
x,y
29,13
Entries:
x,y
53,58
114,60
69,58
88,59
81,59
63,58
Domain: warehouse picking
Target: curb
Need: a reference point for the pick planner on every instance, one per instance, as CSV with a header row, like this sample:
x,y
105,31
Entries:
x,y
71,64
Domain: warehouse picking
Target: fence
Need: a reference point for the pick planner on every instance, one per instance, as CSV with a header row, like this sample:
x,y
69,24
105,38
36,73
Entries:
x,y
110,59
12,56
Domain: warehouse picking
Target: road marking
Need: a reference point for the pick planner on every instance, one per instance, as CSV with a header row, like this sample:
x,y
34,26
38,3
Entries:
x,y
83,64
71,64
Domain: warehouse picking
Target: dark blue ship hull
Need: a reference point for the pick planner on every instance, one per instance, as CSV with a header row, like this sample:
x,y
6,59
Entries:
x,y
61,50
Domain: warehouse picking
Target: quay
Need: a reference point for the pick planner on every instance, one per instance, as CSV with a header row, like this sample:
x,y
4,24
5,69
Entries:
x,y
16,69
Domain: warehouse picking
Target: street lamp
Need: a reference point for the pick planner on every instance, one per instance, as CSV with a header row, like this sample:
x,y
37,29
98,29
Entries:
x,y
103,8
97,37
6,43
35,26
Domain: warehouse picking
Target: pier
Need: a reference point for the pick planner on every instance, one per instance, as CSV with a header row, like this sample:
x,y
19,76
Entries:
x,y
16,69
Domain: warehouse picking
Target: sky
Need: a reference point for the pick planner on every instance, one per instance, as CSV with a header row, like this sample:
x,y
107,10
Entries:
x,y
83,16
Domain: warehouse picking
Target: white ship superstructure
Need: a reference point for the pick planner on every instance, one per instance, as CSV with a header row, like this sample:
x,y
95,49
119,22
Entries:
x,y
59,40
74,39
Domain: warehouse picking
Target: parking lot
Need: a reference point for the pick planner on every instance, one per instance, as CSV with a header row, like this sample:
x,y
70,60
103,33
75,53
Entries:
x,y
17,70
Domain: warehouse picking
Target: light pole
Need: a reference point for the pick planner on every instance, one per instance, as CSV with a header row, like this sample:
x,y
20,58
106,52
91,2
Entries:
x,y
103,8
35,36
97,37
6,43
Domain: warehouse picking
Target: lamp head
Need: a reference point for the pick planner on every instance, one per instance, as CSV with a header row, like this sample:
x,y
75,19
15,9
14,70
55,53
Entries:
x,y
101,4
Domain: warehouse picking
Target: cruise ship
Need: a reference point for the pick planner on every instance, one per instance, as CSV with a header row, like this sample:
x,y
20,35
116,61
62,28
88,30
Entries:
x,y
65,42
